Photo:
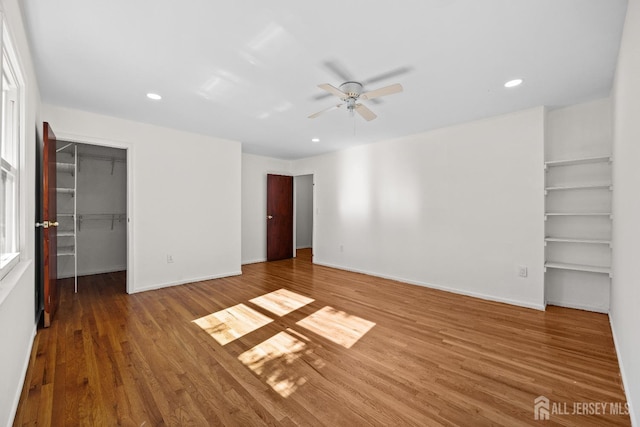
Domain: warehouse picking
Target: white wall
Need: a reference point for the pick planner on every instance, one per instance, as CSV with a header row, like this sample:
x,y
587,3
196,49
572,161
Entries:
x,y
254,203
184,201
625,289
17,297
458,208
582,130
304,210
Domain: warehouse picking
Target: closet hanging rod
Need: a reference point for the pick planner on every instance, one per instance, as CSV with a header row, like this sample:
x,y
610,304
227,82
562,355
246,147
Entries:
x,y
101,217
101,157
106,214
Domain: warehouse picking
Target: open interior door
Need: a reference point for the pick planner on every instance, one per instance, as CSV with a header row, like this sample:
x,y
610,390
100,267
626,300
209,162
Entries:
x,y
279,217
49,225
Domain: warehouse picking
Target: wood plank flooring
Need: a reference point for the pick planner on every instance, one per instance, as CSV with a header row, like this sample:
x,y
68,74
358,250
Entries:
x,y
339,349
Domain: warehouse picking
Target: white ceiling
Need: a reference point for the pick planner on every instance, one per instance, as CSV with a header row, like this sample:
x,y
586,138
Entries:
x,y
248,70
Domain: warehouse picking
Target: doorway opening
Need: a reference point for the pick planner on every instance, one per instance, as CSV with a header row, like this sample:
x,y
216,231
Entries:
x,y
304,198
92,211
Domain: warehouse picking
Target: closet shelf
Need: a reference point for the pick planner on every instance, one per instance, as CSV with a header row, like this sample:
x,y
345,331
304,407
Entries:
x,y
63,214
573,240
578,214
578,161
66,251
581,187
66,233
578,267
66,190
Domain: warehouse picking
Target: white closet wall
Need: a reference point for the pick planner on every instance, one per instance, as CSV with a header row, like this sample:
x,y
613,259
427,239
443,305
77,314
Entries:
x,y
101,212
304,211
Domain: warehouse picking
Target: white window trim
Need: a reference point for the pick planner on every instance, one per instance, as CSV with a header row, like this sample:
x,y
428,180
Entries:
x,y
9,261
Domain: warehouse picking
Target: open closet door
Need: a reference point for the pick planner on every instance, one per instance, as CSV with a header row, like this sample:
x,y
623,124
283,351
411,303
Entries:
x,y
49,225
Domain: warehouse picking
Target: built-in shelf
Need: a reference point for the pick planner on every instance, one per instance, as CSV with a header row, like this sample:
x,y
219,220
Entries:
x,y
581,187
67,243
572,240
577,214
66,167
578,267
66,251
580,161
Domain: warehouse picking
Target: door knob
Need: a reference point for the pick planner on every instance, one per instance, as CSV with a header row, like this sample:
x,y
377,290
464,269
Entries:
x,y
47,224
269,216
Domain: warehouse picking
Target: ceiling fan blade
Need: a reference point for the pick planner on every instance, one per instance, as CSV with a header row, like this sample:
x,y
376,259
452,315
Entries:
x,y
387,75
320,96
333,90
366,113
339,70
333,107
383,91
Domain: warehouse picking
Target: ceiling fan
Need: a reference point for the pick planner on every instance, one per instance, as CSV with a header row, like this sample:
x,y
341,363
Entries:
x,y
351,92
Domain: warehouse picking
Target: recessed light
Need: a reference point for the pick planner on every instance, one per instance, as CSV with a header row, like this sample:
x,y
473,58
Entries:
x,y
154,96
513,83
315,140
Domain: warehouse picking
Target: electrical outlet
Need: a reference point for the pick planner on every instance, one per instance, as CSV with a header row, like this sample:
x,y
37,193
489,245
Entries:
x,y
169,259
522,271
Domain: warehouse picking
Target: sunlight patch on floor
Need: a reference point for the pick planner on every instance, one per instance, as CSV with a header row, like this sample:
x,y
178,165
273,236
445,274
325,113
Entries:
x,y
337,326
281,302
232,323
273,359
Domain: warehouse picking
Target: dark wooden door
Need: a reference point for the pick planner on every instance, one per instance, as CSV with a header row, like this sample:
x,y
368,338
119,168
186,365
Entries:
x,y
49,225
279,217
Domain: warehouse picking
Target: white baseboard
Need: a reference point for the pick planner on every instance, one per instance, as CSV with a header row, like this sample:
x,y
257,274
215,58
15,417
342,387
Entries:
x,y
578,306
254,261
540,307
25,366
96,271
625,382
184,282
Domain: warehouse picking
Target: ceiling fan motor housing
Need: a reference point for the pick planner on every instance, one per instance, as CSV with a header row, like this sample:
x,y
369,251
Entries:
x,y
353,90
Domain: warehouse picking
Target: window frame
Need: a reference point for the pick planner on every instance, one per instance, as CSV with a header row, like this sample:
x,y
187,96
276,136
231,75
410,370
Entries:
x,y
14,164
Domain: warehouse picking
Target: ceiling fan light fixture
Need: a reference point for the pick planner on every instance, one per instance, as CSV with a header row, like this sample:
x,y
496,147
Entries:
x,y
154,96
513,83
350,92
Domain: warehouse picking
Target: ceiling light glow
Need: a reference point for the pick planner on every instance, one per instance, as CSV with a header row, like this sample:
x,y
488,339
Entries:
x,y
154,96
315,140
513,83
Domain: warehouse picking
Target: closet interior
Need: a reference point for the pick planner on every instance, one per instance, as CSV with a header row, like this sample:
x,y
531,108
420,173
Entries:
x,y
92,209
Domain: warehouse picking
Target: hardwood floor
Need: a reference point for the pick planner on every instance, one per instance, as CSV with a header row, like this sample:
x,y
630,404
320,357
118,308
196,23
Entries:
x,y
334,348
